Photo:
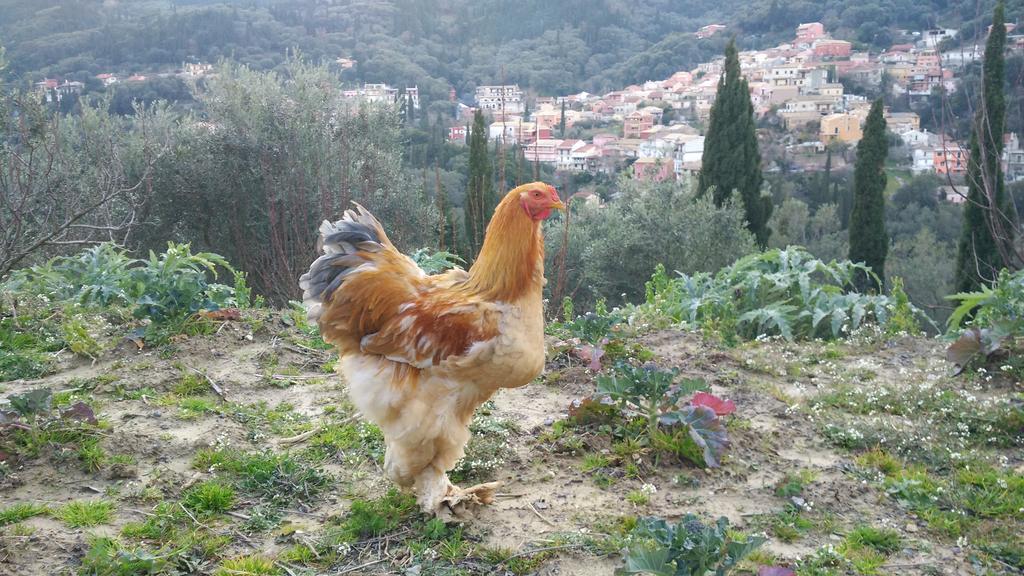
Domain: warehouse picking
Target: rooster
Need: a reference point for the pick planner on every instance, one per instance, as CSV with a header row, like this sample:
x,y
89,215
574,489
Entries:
x,y
420,353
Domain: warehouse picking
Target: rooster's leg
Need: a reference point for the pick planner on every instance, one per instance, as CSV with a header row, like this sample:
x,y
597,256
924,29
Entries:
x,y
432,486
438,496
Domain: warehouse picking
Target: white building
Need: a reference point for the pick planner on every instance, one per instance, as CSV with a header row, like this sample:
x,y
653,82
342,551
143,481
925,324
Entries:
x,y
506,99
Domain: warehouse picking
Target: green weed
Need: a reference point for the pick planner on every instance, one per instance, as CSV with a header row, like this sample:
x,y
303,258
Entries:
x,y
209,497
21,511
85,513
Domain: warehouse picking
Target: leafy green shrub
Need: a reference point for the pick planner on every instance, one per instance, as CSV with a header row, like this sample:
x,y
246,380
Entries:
x,y
778,292
71,301
108,557
97,276
992,316
687,548
171,284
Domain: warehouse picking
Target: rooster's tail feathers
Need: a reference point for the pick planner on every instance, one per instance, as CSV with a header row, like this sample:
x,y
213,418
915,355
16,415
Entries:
x,y
341,242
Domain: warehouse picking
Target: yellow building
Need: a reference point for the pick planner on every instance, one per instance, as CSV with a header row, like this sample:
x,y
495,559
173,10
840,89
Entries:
x,y
843,127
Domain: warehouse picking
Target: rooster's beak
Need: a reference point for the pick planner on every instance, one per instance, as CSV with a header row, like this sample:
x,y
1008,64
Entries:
x,y
557,205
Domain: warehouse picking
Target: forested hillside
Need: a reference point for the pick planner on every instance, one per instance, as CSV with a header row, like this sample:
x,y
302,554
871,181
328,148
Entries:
x,y
548,47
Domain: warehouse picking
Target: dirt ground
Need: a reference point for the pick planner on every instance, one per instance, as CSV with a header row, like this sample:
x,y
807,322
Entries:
x,y
545,495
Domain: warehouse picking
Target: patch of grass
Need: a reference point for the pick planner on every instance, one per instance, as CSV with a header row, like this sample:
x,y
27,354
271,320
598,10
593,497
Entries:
x,y
880,460
883,540
592,462
91,455
367,518
279,478
867,548
161,525
353,441
260,418
85,513
262,518
788,525
209,497
208,458
190,384
299,554
21,511
793,484
506,558
638,498
252,565
193,407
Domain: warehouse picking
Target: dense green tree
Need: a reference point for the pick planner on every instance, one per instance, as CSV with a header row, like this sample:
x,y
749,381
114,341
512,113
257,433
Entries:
x,y
479,203
988,222
869,242
732,161
611,246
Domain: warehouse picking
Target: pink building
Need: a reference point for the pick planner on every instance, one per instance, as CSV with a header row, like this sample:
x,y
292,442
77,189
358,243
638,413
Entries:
x,y
808,33
827,48
635,123
950,159
653,169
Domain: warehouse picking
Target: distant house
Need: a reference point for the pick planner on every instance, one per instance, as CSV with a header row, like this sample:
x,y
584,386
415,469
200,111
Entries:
x,y
953,194
53,90
710,30
565,150
828,48
919,138
585,158
635,123
842,127
107,79
653,170
921,160
1013,158
900,122
587,197
809,32
932,38
504,99
542,150
372,93
458,134
950,159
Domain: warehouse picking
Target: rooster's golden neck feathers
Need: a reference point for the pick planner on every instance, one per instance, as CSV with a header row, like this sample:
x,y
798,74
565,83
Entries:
x,y
511,261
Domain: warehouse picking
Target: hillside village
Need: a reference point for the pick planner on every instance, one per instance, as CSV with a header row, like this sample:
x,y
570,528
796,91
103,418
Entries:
x,y
654,130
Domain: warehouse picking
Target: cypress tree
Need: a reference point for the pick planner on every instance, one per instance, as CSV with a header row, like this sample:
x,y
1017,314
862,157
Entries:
x,y
825,192
988,217
561,123
868,241
479,204
731,159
